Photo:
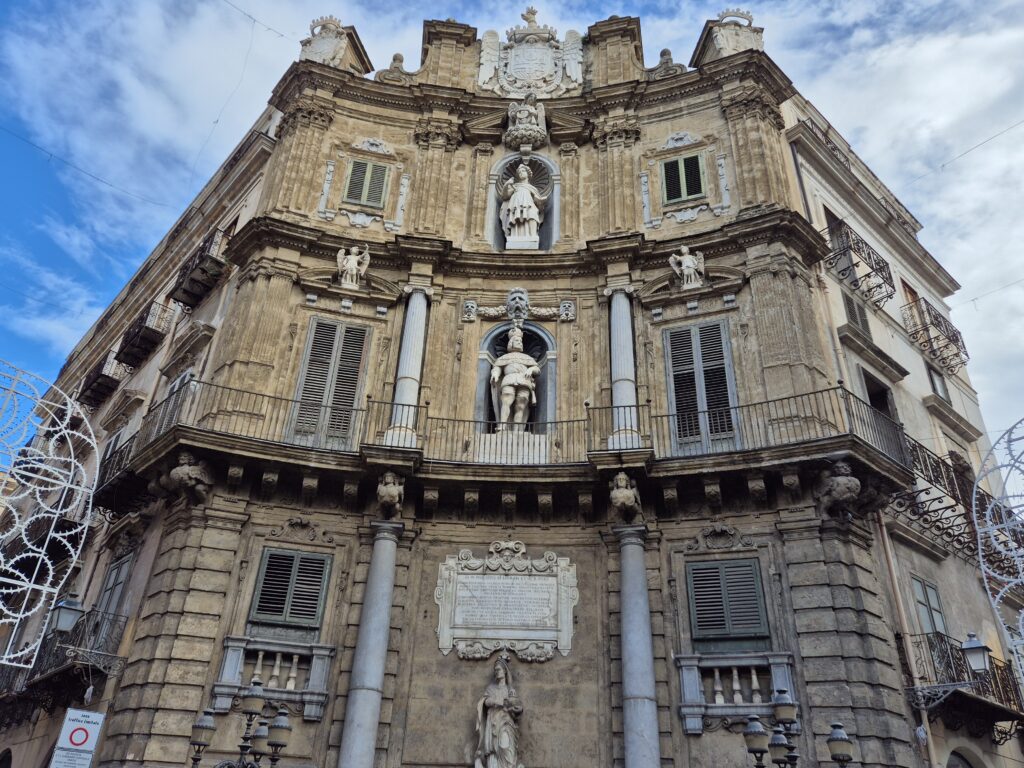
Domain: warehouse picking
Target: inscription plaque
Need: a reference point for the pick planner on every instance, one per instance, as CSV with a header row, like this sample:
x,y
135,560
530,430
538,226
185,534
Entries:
x,y
506,600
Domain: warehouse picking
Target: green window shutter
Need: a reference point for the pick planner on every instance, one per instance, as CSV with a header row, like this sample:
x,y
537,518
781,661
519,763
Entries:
x,y
693,176
726,599
291,588
715,378
672,180
330,378
357,173
367,183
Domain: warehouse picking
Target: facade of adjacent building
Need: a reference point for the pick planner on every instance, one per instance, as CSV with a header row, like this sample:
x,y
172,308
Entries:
x,y
631,384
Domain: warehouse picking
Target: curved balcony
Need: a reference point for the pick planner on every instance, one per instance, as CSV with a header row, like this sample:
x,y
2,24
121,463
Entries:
x,y
935,335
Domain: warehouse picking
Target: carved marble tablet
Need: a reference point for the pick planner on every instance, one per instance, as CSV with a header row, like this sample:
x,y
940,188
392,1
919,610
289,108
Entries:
x,y
506,600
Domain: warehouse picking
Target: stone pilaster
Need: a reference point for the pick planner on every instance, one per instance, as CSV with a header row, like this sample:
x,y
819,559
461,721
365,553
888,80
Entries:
x,y
850,667
297,157
755,126
437,140
162,687
617,194
569,160
366,683
483,159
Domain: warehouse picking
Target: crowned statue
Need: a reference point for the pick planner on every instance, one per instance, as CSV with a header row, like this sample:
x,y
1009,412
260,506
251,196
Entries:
x,y
513,384
522,210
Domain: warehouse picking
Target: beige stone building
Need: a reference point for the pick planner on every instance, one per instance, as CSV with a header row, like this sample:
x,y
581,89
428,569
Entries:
x,y
631,384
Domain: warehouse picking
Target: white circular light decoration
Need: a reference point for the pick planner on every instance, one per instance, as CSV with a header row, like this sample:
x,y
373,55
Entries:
x,y
46,490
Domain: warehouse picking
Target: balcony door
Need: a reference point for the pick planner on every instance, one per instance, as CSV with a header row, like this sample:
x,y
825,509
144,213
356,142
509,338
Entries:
x,y
703,393
102,631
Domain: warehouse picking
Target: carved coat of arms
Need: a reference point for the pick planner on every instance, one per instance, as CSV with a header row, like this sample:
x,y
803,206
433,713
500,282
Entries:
x,y
532,60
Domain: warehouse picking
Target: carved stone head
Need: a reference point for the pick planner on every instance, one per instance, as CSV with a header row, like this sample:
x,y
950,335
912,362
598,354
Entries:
x,y
518,302
515,340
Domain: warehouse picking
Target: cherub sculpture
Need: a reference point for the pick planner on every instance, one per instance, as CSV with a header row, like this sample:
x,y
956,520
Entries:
x,y
352,265
625,498
191,478
527,124
689,267
837,490
390,494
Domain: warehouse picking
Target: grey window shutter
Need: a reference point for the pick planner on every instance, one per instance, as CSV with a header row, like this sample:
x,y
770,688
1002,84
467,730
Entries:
x,y
701,382
375,189
684,382
715,378
291,588
856,313
330,378
673,180
356,181
726,599
692,175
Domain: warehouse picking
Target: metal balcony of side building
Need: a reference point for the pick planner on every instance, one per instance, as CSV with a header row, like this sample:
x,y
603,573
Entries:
x,y
201,271
942,682
100,382
144,334
858,265
935,335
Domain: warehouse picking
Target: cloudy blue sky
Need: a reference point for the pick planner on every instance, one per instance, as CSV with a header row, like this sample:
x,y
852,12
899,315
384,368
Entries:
x,y
150,95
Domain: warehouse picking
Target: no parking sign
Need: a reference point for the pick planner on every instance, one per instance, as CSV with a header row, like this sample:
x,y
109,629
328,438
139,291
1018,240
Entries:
x,y
78,738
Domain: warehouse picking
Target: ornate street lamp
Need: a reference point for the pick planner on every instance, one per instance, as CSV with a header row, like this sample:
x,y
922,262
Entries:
x,y
978,658
978,655
267,739
779,745
756,738
840,748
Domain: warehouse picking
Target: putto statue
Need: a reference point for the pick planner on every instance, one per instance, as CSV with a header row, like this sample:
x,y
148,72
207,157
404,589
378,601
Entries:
x,y
522,210
497,713
327,42
513,385
624,497
689,267
527,124
352,265
390,494
191,479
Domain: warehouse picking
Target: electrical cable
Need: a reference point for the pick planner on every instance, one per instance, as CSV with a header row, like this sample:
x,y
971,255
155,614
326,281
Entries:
x,y
967,152
267,27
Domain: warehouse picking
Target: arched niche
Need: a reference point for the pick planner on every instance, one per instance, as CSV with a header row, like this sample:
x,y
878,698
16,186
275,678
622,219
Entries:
x,y
540,345
550,230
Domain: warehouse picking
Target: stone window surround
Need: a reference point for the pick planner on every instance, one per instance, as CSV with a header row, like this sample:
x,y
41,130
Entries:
x,y
699,153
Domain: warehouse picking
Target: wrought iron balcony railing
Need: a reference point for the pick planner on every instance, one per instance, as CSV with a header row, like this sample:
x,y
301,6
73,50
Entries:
x,y
144,334
480,442
775,423
896,211
938,663
824,138
201,271
115,462
93,642
102,380
858,265
934,334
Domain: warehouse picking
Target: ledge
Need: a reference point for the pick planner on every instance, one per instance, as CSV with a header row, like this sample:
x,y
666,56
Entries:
x,y
911,537
859,342
945,413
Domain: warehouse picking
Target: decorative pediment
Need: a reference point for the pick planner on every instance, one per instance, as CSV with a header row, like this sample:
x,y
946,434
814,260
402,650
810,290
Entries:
x,y
325,280
666,287
189,341
301,529
717,538
122,406
487,128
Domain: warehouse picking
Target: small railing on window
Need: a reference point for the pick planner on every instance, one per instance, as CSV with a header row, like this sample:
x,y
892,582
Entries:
x,y
145,333
822,136
93,642
102,380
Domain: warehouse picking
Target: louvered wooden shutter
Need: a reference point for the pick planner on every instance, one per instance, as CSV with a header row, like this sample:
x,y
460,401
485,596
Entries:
x,y
375,189
367,183
715,378
857,314
693,177
291,588
682,178
673,181
701,380
684,383
726,599
356,181
330,378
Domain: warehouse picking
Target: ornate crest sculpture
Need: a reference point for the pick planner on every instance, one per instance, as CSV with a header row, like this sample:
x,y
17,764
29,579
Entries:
x,y
45,504
532,60
326,43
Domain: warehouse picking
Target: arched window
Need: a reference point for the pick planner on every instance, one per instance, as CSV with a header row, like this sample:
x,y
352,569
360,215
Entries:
x,y
546,178
6,760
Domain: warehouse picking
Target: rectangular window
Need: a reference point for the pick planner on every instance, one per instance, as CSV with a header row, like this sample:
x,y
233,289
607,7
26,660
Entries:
x,y
879,396
682,178
856,313
929,608
703,391
367,183
938,382
113,586
727,609
291,588
330,378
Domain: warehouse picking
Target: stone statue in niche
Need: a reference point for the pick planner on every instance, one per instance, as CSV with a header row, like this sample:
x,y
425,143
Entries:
x,y
390,494
513,384
527,124
352,265
497,727
522,210
689,267
837,490
625,498
327,42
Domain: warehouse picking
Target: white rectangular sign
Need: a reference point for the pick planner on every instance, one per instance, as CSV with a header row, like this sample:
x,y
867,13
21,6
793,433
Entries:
x,y
78,738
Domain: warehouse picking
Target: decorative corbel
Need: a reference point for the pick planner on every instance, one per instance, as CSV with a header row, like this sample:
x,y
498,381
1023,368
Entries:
x,y
713,491
545,505
310,483
268,482
756,487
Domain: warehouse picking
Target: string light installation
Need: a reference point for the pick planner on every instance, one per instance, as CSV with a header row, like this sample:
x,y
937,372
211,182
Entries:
x,y
45,504
999,521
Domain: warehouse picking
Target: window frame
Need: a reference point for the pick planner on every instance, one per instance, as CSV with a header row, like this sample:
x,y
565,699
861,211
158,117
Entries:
x,y
933,374
728,639
285,621
924,602
361,200
680,159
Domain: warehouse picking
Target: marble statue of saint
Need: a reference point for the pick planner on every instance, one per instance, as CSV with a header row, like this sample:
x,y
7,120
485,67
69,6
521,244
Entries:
x,y
522,211
513,384
496,726
352,265
689,267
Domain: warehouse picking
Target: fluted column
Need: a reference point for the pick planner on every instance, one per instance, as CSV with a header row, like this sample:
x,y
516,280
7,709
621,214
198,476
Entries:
x,y
639,702
623,366
362,712
402,430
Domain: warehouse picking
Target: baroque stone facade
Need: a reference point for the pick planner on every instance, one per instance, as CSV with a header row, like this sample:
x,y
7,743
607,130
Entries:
x,y
598,399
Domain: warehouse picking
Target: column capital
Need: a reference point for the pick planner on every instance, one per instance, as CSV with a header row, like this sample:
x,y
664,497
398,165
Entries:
x,y
411,288
630,534
387,529
627,288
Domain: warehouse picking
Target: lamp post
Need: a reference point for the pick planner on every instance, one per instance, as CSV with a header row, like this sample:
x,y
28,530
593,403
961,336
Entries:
x,y
265,740
779,745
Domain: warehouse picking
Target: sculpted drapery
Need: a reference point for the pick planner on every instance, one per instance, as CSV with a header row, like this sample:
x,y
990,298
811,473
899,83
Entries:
x,y
497,730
